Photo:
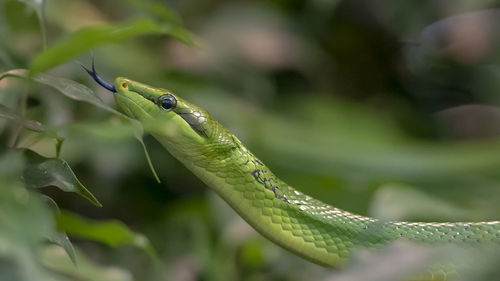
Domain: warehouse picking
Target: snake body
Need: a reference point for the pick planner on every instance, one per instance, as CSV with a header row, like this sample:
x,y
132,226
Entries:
x,y
297,222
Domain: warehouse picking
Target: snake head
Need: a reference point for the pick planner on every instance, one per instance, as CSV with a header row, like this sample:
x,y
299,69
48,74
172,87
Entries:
x,y
179,125
164,113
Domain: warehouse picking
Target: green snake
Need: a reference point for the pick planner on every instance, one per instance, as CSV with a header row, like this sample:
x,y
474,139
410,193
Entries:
x,y
295,221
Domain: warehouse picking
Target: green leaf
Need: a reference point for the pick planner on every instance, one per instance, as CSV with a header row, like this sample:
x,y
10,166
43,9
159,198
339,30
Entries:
x,y
80,92
138,133
73,90
77,91
87,38
69,88
55,172
61,239
112,232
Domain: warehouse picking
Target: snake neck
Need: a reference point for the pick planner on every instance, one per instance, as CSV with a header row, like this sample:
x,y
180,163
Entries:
x,y
304,225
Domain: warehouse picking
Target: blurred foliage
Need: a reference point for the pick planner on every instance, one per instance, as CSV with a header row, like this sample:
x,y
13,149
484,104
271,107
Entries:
x,y
388,109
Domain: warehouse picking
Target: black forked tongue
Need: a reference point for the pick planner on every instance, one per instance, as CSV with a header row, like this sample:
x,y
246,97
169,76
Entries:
x,y
98,79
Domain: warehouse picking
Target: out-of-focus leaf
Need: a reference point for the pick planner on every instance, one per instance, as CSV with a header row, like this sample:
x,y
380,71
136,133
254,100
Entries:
x,y
399,202
111,129
118,130
73,90
32,125
159,9
402,260
484,266
112,232
60,238
55,259
396,158
26,222
10,114
36,5
69,88
397,261
4,57
23,214
59,143
440,40
12,163
89,37
138,133
39,7
55,172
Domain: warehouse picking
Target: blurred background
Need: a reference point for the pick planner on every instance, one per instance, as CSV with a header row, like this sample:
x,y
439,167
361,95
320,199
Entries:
x,y
382,108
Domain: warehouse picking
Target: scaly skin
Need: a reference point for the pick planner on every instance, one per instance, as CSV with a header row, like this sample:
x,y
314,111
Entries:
x,y
305,226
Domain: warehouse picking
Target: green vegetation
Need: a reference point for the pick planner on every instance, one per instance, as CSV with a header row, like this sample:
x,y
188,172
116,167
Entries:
x,y
389,111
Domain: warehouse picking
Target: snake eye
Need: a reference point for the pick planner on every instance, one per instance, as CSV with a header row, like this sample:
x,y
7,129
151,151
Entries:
x,y
167,101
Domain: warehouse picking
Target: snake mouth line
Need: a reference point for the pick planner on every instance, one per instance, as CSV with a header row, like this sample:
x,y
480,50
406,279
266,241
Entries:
x,y
134,104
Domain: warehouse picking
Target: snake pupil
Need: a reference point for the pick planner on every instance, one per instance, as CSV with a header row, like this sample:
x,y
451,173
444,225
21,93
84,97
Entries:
x,y
167,101
167,104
